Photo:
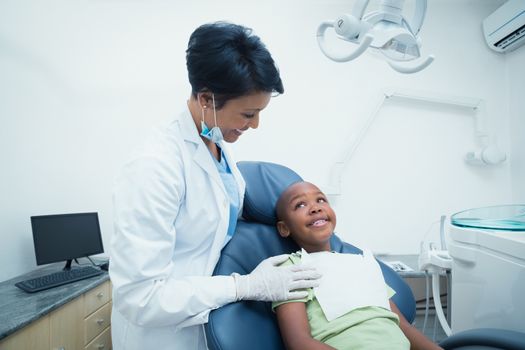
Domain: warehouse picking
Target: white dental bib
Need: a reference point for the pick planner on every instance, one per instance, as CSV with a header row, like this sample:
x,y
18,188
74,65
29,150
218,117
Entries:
x,y
349,281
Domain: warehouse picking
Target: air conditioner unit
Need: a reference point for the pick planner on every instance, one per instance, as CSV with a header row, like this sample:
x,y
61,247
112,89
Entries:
x,y
504,29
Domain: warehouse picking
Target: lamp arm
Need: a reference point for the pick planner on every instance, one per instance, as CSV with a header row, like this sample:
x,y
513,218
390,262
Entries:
x,y
419,16
358,11
363,45
402,68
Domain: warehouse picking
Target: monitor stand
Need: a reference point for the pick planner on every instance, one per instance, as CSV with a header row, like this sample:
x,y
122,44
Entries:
x,y
68,264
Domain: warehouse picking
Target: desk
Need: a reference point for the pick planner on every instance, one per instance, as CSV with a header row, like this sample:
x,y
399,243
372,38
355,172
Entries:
x,y
21,311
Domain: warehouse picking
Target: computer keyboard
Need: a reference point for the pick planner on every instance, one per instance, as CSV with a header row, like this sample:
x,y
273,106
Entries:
x,y
58,278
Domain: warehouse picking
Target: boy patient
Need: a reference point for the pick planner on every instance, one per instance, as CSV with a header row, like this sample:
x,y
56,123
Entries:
x,y
304,215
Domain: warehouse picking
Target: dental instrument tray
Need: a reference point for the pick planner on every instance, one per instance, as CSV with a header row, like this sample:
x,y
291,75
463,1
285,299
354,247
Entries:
x,y
502,217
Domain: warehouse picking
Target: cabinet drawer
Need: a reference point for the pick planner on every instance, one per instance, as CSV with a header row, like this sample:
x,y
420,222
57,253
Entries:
x,y
102,342
97,322
34,337
65,326
96,297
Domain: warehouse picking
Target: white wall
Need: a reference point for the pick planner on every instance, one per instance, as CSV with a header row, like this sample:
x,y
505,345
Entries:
x,y
81,81
517,123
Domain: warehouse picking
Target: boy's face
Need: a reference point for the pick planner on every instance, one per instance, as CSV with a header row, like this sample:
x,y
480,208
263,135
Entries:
x,y
306,216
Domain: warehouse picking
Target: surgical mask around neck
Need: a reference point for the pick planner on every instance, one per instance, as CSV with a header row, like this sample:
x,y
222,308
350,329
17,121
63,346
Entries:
x,y
214,134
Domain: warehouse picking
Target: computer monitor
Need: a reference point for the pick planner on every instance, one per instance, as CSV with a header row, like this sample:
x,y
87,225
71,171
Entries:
x,y
65,237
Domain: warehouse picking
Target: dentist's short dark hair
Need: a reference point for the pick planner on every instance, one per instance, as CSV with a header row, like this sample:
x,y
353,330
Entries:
x,y
228,60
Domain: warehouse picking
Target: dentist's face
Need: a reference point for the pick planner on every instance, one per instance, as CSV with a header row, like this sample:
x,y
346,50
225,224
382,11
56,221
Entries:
x,y
307,217
238,114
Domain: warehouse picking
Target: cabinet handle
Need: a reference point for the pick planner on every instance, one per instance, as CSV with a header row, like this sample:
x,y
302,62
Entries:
x,y
100,295
101,346
100,321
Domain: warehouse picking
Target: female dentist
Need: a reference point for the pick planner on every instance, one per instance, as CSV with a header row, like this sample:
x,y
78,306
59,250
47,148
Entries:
x,y
177,200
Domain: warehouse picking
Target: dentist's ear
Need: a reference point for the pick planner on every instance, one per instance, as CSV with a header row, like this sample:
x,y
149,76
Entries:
x,y
204,99
283,229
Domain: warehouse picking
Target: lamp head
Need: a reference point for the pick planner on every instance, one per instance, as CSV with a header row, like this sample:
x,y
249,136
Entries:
x,y
385,30
347,26
396,42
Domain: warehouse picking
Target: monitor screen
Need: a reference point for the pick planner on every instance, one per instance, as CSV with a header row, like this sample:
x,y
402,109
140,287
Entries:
x,y
65,236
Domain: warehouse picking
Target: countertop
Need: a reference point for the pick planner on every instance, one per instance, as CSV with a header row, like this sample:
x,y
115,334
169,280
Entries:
x,y
18,308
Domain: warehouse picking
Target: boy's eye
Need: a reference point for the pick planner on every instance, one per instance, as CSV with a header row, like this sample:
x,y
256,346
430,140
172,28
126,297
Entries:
x,y
321,200
249,116
300,205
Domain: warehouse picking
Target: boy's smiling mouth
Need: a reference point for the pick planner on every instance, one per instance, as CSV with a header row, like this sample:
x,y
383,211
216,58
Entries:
x,y
318,222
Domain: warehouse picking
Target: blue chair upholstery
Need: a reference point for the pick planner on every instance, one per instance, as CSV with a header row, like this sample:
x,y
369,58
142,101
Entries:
x,y
249,324
485,338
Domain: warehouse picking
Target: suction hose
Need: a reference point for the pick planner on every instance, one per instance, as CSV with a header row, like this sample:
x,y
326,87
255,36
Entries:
x,y
437,303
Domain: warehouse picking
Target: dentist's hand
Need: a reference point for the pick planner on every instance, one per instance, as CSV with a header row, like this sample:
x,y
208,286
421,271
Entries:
x,y
269,282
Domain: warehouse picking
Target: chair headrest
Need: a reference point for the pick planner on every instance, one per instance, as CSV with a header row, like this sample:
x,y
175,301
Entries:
x,y
264,184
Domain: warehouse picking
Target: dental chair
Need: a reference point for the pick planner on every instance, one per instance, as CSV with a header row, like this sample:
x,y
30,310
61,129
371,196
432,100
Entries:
x,y
253,325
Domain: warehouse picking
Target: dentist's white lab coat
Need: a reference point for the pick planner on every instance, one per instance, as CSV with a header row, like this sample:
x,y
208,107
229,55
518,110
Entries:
x,y
171,215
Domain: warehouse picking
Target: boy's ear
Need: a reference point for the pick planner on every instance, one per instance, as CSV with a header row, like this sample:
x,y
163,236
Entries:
x,y
283,229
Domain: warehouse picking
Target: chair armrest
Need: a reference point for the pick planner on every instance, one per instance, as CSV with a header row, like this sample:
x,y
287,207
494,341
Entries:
x,y
487,337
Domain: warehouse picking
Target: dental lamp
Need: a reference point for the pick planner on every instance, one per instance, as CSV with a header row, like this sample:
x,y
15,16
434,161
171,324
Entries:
x,y
489,154
385,30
